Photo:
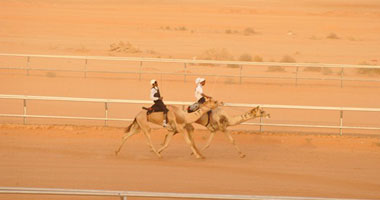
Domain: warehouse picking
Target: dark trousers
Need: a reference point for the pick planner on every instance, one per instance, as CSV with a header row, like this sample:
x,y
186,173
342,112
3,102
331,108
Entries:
x,y
159,106
202,100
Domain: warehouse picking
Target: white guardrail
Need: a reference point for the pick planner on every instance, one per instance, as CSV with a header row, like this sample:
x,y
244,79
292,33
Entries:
x,y
123,195
240,65
108,101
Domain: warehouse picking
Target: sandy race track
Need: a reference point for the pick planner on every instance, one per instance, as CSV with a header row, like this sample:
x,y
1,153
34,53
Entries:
x,y
79,154
280,164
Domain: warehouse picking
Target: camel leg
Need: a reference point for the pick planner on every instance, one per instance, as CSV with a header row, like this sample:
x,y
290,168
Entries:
x,y
232,140
189,141
125,137
169,135
142,121
212,134
167,140
146,132
133,129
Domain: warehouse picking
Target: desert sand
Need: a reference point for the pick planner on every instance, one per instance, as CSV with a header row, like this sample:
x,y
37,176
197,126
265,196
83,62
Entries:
x,y
55,153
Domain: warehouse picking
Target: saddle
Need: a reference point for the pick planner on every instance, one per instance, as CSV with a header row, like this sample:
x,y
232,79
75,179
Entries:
x,y
192,108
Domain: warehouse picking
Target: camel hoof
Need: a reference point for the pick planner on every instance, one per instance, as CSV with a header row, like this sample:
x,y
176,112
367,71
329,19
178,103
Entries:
x,y
242,155
116,153
159,155
200,157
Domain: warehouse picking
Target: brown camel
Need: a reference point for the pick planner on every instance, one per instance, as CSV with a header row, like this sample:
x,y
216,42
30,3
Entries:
x,y
178,122
219,121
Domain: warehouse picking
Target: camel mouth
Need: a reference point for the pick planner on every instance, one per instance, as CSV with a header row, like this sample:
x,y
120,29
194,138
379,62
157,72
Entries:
x,y
268,116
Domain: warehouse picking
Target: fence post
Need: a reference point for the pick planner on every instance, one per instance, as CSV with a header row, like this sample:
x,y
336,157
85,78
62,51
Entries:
x,y
24,111
241,69
260,123
140,70
341,77
27,65
184,71
123,197
297,76
85,68
341,122
106,109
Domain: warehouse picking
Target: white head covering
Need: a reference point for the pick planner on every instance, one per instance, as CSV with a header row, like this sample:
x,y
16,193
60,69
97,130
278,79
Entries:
x,y
152,81
199,80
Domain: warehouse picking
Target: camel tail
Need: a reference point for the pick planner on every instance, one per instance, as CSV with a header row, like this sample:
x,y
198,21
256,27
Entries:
x,y
130,126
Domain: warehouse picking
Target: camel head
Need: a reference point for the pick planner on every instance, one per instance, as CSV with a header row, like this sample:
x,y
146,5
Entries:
x,y
259,112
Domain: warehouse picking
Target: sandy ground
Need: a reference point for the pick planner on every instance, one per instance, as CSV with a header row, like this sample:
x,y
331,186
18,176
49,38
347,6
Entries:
x,y
334,31
278,162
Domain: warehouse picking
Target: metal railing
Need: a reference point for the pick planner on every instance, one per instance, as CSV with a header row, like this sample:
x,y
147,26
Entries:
x,y
123,195
106,118
239,65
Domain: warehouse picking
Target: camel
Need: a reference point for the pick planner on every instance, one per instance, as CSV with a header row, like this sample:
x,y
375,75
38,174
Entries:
x,y
178,121
219,120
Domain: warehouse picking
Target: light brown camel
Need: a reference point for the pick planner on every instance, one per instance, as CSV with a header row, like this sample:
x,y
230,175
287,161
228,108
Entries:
x,y
178,122
219,120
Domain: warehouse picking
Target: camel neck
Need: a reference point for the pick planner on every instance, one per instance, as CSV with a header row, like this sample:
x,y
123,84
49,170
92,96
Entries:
x,y
238,119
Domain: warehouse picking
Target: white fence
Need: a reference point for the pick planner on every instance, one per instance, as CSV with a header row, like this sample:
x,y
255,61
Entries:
x,y
240,65
123,195
106,118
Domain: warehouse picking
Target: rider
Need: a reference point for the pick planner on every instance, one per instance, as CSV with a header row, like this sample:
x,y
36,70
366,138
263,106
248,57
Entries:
x,y
199,95
159,105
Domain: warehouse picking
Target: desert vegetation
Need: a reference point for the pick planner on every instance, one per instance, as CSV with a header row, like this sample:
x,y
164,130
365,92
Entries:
x,y
333,36
245,57
368,71
123,47
276,69
284,59
247,31
216,54
288,59
176,28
